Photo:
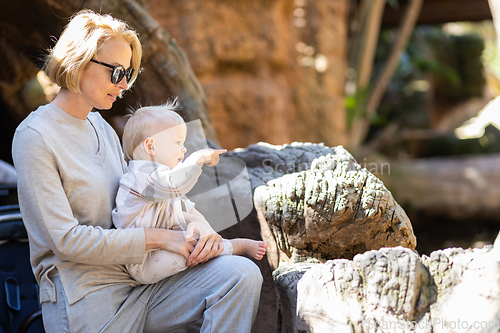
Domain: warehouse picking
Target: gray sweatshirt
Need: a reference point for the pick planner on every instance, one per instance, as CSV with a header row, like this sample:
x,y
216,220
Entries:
x,y
68,173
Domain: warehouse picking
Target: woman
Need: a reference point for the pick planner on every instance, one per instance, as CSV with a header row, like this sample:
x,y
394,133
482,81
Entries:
x,y
69,162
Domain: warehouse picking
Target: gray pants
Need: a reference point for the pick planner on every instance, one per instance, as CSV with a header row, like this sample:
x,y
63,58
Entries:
x,y
224,292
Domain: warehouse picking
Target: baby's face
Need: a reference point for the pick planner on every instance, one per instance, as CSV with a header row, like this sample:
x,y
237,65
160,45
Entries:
x,y
169,145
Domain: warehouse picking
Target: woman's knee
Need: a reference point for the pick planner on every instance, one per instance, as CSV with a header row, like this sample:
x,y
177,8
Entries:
x,y
243,269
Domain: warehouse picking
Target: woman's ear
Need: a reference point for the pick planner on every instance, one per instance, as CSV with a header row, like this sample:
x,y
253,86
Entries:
x,y
149,146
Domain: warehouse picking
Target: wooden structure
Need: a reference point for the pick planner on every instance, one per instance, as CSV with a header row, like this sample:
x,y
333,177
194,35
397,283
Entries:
x,y
440,11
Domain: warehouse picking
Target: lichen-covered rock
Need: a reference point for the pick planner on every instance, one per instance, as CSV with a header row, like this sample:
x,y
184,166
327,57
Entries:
x,y
319,200
395,290
381,286
468,285
326,206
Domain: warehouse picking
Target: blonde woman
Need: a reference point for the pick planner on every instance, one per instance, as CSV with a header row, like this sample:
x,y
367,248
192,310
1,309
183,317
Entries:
x,y
69,162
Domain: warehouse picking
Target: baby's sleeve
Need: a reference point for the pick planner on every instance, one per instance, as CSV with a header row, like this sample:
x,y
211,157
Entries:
x,y
163,183
187,205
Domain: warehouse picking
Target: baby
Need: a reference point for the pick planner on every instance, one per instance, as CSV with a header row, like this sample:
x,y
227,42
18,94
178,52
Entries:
x,y
152,194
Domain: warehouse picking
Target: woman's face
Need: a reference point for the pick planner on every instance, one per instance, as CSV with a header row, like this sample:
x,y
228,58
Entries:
x,y
95,84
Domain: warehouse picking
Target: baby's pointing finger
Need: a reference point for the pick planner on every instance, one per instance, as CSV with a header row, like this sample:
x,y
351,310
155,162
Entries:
x,y
220,151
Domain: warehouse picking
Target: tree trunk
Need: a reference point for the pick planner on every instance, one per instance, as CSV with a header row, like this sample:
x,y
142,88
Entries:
x,y
361,124
459,187
371,19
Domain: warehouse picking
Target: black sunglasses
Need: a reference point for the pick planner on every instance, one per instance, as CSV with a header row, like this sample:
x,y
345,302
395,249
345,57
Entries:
x,y
118,72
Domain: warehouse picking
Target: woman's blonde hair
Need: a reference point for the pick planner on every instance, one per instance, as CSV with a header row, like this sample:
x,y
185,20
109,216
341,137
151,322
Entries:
x,y
79,42
147,121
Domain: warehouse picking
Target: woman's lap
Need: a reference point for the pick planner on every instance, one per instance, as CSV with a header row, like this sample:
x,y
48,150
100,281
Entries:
x,y
91,313
225,290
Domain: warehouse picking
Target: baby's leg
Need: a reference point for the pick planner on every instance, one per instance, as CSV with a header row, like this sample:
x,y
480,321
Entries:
x,y
157,265
248,247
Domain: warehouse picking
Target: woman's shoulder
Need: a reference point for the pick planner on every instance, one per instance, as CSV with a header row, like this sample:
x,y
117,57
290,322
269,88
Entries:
x,y
35,124
32,134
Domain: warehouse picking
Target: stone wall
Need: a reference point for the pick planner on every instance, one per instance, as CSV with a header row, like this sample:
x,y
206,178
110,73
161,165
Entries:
x,y
272,71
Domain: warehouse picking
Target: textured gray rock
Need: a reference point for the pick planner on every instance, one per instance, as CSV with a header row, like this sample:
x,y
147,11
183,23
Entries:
x,y
286,279
375,287
319,203
468,285
316,201
395,290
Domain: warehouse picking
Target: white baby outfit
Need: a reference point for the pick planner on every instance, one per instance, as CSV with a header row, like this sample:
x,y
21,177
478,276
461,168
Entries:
x,y
151,195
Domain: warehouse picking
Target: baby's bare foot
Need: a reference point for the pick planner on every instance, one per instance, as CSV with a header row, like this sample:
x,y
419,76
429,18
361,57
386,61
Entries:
x,y
250,248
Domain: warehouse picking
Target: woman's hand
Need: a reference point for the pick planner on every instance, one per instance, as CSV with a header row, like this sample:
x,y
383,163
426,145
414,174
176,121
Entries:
x,y
209,243
169,240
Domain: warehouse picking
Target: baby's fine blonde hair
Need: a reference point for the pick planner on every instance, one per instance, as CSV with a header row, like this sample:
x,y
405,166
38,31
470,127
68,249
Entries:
x,y
146,121
79,42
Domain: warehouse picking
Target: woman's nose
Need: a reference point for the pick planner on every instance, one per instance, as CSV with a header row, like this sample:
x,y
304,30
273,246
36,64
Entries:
x,y
123,85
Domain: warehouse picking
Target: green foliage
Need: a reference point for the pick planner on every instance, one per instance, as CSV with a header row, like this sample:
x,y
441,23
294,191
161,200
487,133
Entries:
x,y
438,69
435,64
355,105
393,3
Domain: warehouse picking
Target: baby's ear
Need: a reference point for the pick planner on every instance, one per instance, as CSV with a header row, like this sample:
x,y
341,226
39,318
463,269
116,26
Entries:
x,y
149,146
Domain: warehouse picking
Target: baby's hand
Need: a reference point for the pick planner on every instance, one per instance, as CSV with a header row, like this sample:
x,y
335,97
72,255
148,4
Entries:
x,y
206,156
